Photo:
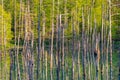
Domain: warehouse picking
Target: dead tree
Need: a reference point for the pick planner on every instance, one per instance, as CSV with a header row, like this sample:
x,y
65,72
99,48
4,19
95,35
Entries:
x,y
102,41
58,46
78,60
107,58
73,50
39,45
11,65
84,46
63,55
52,38
97,57
43,46
46,65
110,25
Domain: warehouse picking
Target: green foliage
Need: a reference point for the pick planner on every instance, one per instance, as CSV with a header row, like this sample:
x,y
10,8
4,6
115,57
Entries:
x,y
5,29
74,17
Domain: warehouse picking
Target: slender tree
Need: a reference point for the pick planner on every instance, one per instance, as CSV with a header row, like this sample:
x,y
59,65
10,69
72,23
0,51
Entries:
x,y
43,45
52,38
11,65
63,55
110,25
79,60
58,46
84,46
39,46
107,58
15,37
73,50
46,65
102,41
58,40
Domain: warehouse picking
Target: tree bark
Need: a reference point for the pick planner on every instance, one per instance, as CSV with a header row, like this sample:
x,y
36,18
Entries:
x,y
110,25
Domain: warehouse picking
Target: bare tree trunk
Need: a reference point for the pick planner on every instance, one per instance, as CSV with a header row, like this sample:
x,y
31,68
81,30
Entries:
x,y
46,64
102,43
73,49
91,45
66,61
23,66
58,42
32,57
110,25
17,60
83,43
58,46
11,65
52,38
63,61
78,60
39,46
107,58
94,57
63,41
15,24
96,51
43,45
88,43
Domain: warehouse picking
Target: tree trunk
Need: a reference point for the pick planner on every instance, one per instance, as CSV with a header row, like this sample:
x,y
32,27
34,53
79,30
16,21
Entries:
x,y
39,45
52,38
58,46
110,25
84,46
